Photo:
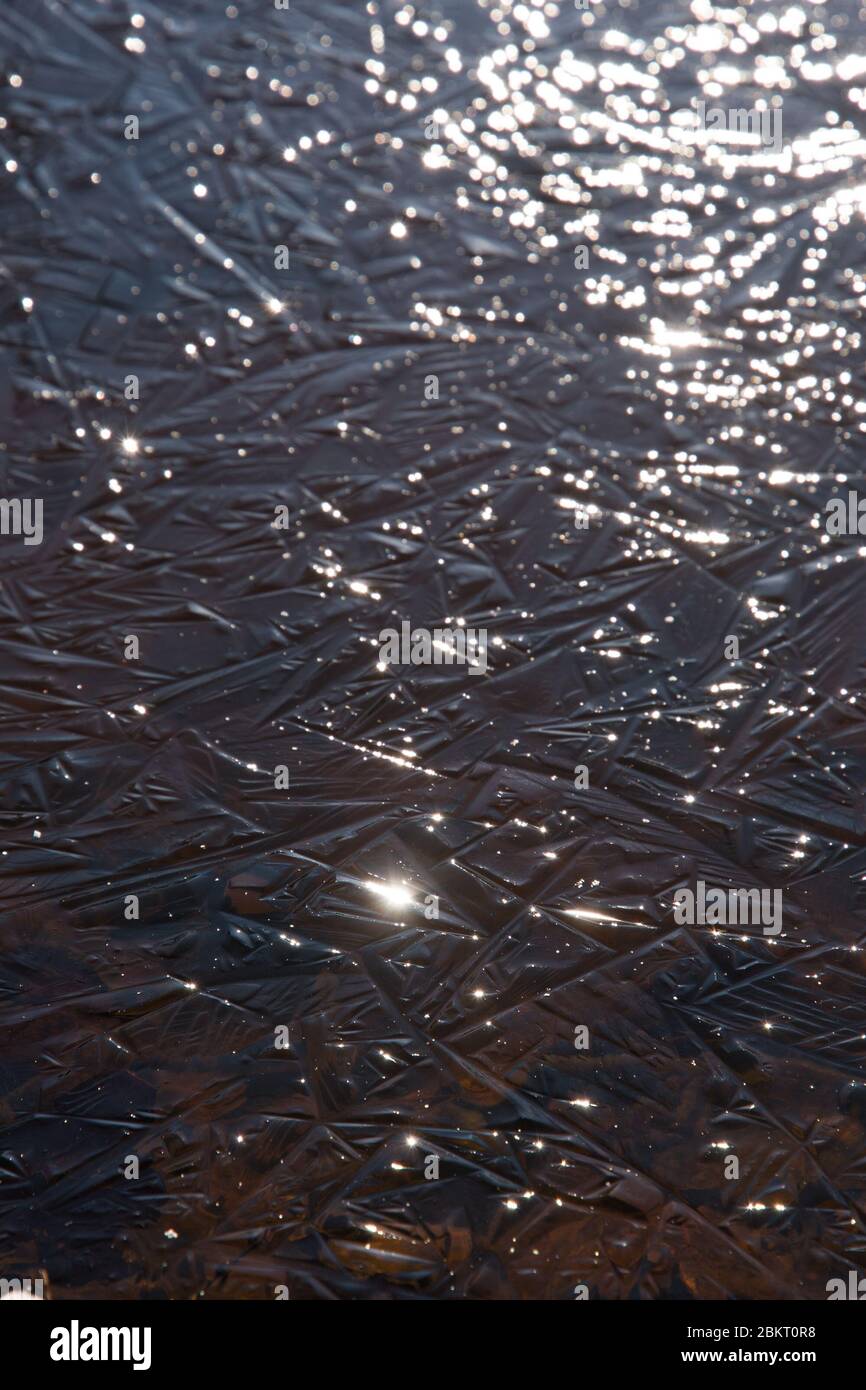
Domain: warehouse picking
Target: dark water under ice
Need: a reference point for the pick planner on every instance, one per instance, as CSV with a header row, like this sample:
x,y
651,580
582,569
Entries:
x,y
438,396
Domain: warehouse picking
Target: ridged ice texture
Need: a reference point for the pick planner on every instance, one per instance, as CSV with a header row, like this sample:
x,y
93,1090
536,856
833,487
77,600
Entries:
x,y
693,389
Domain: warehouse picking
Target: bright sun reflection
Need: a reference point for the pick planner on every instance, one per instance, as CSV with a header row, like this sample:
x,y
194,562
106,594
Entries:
x,y
395,894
